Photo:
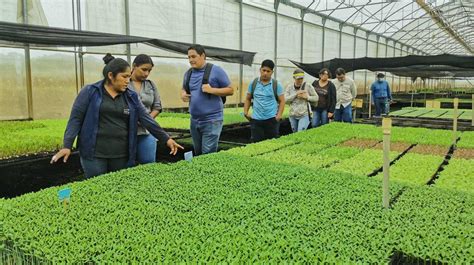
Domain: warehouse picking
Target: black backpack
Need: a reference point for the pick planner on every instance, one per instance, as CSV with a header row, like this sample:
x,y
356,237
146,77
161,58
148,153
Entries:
x,y
275,88
205,80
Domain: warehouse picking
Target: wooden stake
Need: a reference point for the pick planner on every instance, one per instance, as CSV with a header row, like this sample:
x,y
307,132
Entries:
x,y
455,120
386,127
370,103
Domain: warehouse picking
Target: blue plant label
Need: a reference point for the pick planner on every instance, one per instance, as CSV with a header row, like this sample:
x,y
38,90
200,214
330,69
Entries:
x,y
64,194
188,156
242,114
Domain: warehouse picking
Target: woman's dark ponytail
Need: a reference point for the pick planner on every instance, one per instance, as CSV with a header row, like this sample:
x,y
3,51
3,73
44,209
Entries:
x,y
113,65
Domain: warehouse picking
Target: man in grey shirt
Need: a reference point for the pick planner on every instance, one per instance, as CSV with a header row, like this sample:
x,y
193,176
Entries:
x,y
346,91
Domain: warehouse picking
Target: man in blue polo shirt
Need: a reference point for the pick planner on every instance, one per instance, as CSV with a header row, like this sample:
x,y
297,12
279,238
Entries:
x,y
205,102
267,97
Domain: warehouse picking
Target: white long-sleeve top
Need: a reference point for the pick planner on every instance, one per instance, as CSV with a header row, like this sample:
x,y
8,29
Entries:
x,y
298,106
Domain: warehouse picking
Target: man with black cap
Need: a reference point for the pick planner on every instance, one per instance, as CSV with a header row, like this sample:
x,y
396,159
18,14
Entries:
x,y
381,95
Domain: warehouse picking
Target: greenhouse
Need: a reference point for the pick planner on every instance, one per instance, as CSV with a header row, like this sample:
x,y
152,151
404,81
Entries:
x,y
237,131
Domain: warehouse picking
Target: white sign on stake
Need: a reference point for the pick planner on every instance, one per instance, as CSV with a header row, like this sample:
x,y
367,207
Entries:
x,y
188,156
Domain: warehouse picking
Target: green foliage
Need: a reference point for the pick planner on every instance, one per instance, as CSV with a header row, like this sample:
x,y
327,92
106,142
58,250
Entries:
x,y
421,136
261,147
363,163
466,141
30,137
414,168
223,208
435,223
293,199
457,175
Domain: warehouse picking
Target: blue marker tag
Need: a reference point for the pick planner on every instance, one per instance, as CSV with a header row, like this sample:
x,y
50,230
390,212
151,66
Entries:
x,y
64,194
188,156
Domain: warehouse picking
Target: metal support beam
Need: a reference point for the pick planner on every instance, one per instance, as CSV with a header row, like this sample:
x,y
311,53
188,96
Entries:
x,y
194,21
29,85
81,54
241,47
444,25
127,30
277,2
340,40
76,69
323,37
302,35
354,51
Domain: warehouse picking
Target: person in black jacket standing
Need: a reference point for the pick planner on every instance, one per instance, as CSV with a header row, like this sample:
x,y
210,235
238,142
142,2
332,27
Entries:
x,y
324,110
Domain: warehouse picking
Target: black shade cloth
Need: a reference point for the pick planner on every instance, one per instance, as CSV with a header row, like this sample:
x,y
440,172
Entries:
x,y
40,35
400,65
424,71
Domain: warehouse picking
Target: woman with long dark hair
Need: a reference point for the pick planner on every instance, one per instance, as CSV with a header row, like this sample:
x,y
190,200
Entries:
x,y
149,96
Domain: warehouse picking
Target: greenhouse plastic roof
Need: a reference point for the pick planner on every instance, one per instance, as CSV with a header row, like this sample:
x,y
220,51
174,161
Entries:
x,y
431,26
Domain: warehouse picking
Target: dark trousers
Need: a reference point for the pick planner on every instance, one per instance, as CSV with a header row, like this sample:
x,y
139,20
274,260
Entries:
x,y
380,106
264,129
98,166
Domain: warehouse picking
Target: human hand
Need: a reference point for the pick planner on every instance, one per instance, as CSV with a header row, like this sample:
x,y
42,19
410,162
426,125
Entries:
x,y
65,152
303,95
247,116
278,117
185,96
206,88
173,146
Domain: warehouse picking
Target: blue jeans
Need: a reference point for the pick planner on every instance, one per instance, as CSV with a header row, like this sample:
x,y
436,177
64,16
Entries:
x,y
300,124
146,149
98,166
320,117
205,136
380,106
343,114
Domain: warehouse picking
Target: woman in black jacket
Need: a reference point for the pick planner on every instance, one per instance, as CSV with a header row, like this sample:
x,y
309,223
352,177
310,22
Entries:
x,y
326,91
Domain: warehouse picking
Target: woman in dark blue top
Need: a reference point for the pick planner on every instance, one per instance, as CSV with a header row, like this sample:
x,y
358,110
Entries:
x,y
105,118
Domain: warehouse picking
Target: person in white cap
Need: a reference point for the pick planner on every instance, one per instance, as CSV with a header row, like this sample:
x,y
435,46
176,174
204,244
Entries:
x,y
299,95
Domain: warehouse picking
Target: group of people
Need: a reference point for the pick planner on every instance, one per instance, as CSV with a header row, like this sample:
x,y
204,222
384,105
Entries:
x,y
114,118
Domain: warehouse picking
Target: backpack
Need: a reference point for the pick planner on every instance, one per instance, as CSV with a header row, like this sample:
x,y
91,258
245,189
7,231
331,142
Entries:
x,y
205,80
275,88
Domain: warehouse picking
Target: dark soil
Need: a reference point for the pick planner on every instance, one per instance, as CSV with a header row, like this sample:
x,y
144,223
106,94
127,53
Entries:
x,y
394,146
360,143
466,153
430,150
399,258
